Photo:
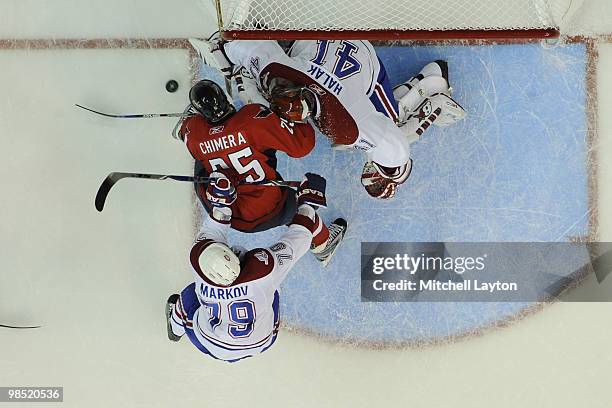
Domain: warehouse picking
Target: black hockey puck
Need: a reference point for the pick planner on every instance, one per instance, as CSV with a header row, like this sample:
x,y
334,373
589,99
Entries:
x,y
171,85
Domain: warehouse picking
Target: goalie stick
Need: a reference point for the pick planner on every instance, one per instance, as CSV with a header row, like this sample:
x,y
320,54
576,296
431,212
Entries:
x,y
113,178
138,115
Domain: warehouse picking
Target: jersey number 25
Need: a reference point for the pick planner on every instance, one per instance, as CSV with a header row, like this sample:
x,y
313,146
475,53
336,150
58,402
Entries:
x,y
243,163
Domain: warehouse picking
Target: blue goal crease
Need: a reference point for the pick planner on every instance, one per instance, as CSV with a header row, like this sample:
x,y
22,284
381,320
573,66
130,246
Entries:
x,y
515,170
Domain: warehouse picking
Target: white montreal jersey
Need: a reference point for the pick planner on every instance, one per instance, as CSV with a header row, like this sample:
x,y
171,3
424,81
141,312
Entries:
x,y
344,75
242,320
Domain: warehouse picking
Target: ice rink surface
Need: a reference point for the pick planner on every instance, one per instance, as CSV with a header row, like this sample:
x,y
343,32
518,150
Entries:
x,y
519,168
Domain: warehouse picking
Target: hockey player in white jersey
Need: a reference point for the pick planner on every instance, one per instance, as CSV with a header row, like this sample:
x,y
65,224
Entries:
x,y
344,89
231,311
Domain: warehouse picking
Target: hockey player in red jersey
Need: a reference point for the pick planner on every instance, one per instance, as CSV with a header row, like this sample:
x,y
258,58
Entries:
x,y
243,145
231,310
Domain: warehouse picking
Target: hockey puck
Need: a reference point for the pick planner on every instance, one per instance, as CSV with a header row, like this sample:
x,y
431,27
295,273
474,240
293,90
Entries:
x,y
172,85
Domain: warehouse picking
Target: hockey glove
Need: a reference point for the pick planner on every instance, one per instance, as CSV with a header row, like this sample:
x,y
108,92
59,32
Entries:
x,y
220,191
312,191
381,182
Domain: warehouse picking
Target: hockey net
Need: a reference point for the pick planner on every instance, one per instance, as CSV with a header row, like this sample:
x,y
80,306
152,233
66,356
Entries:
x,y
388,19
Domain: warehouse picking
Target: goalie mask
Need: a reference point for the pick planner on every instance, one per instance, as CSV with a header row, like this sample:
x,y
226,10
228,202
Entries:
x,y
211,102
219,264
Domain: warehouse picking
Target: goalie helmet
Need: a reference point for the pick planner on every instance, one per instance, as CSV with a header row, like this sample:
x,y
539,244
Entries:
x,y
211,102
219,264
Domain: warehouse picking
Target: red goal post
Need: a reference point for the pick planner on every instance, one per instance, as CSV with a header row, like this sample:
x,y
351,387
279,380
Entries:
x,y
389,19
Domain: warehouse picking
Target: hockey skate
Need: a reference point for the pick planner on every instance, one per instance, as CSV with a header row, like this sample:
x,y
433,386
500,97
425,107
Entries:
x,y
169,303
337,229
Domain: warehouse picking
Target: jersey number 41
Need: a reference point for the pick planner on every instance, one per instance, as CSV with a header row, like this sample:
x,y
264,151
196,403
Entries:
x,y
346,64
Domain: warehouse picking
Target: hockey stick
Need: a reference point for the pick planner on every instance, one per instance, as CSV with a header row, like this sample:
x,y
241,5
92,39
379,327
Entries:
x,y
19,327
228,86
137,116
113,178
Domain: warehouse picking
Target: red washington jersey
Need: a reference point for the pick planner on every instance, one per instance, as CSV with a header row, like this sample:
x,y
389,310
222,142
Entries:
x,y
247,144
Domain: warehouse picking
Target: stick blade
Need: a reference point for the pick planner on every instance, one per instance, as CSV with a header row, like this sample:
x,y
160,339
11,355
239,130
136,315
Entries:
x,y
108,115
6,326
105,188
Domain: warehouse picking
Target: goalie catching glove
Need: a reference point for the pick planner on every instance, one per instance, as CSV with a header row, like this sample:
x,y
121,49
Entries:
x,y
381,182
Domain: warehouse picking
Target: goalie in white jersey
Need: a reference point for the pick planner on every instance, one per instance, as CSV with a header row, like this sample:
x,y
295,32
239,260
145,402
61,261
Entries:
x,y
231,311
343,88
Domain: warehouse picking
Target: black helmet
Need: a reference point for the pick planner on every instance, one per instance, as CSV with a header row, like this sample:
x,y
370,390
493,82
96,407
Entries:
x,y
209,99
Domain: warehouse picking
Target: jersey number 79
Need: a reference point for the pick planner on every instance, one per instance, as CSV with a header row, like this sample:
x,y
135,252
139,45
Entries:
x,y
241,314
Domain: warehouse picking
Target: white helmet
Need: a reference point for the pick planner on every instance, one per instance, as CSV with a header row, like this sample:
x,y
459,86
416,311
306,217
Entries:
x,y
219,264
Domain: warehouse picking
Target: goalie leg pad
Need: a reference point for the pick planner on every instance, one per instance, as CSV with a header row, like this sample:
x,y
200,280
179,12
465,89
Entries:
x,y
432,79
440,110
425,88
436,68
451,112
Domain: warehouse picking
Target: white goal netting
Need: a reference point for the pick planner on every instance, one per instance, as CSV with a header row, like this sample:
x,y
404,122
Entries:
x,y
389,15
